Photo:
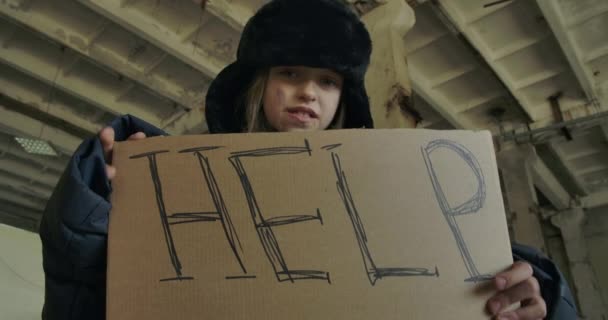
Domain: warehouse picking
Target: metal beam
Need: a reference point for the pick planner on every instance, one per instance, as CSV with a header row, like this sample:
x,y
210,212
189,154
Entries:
x,y
570,173
19,125
148,29
21,199
604,129
32,93
463,116
94,36
21,211
452,74
50,73
482,99
586,16
591,169
230,13
594,200
28,172
555,17
519,45
548,184
48,27
19,222
6,41
449,10
581,154
191,122
52,117
495,58
596,54
17,183
439,103
426,42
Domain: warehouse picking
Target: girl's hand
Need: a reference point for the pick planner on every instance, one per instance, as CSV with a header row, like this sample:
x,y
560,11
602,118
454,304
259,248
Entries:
x,y
106,136
517,285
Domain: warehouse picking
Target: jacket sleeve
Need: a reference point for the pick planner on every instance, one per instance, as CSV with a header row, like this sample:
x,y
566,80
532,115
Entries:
x,y
554,288
74,229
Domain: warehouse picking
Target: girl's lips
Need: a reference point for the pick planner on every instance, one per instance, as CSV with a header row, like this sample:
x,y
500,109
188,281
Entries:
x,y
300,117
303,111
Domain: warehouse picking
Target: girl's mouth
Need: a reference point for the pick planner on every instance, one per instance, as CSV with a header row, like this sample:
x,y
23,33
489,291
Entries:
x,y
302,114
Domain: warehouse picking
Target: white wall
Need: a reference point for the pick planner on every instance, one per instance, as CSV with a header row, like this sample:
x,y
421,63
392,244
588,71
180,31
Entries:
x,y
21,274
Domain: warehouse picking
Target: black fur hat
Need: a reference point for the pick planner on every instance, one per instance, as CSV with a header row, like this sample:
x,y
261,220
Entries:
x,y
314,33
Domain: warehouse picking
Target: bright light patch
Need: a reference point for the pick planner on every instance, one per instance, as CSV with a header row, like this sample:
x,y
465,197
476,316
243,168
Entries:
x,y
36,146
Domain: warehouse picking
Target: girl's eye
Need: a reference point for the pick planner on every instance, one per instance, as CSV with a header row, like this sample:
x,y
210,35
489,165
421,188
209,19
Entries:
x,y
288,73
329,82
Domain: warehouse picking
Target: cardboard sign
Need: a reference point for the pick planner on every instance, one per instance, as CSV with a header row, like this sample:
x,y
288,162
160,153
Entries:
x,y
346,224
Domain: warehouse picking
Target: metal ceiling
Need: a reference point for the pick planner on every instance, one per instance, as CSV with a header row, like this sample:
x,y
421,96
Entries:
x,y
69,66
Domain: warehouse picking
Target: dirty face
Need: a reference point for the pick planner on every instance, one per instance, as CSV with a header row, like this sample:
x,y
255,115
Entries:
x,y
299,98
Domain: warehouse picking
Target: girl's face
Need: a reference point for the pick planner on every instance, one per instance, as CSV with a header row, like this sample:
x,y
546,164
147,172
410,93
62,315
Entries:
x,y
299,98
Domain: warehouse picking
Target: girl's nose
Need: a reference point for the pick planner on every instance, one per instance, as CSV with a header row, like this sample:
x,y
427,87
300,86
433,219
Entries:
x,y
307,91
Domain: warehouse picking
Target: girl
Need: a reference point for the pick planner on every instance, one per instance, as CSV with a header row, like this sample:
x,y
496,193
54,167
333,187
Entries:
x,y
300,67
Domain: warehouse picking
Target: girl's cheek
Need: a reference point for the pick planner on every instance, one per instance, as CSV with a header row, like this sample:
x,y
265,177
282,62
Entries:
x,y
280,97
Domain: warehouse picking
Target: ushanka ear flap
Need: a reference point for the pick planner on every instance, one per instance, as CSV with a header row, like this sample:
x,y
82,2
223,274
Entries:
x,y
223,111
356,101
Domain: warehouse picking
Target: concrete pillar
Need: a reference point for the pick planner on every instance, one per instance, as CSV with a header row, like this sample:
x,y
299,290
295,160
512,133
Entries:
x,y
514,163
571,222
387,79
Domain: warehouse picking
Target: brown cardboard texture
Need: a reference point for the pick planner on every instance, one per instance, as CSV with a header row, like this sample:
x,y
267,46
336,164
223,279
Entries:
x,y
345,224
